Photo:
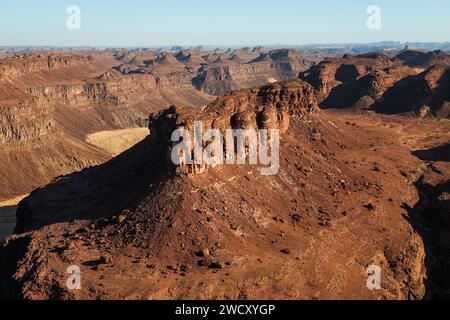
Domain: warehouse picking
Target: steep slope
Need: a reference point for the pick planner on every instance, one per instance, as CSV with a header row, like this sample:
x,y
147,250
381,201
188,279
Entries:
x,y
425,94
355,81
431,218
363,92
419,59
333,72
138,227
393,86
50,102
226,74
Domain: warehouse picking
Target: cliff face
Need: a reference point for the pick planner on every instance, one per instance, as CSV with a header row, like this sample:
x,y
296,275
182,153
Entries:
x,y
431,218
163,232
21,124
386,85
22,64
225,75
425,94
268,107
333,72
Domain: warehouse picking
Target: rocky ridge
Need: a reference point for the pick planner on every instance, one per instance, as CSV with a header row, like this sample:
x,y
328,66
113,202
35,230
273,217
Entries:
x,y
268,107
386,85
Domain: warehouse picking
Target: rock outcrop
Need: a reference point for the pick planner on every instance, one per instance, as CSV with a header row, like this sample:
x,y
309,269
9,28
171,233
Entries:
x,y
425,60
333,72
268,107
424,94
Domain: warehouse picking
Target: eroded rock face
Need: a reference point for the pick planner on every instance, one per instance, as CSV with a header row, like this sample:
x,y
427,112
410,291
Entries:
x,y
381,80
333,72
268,107
429,88
52,101
386,85
138,232
15,66
419,59
233,72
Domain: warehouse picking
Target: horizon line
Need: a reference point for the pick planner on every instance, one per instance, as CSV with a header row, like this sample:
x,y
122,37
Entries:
x,y
318,44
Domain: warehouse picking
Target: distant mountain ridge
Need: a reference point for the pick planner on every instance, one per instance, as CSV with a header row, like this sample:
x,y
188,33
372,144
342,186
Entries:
x,y
330,48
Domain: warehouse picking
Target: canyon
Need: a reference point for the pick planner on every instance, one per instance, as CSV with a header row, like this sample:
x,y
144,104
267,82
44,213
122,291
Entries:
x,y
50,102
363,179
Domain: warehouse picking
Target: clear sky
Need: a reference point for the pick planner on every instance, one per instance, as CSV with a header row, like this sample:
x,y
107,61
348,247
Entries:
x,y
132,23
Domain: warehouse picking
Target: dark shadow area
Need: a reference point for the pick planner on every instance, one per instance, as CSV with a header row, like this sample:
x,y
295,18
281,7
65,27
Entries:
x,y
441,153
430,217
346,95
415,91
92,263
93,193
7,221
404,96
347,73
10,254
97,192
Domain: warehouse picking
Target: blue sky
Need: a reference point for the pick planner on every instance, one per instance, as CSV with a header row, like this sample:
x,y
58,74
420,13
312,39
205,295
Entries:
x,y
200,22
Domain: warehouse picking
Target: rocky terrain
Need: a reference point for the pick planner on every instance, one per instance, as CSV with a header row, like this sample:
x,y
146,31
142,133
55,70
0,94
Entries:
x,y
50,102
420,59
427,93
258,67
411,82
363,179
345,198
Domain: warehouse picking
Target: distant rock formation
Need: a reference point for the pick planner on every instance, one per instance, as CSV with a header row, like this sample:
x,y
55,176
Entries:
x,y
420,59
140,228
333,72
54,99
426,93
254,68
402,84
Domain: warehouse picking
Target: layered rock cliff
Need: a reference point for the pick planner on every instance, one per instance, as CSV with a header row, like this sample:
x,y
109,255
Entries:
x,y
268,107
225,74
21,64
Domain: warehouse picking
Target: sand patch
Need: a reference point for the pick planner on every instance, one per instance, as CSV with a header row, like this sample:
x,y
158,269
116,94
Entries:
x,y
117,141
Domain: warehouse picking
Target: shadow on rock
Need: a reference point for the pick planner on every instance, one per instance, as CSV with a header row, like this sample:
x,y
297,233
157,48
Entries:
x,y
97,192
430,217
441,153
